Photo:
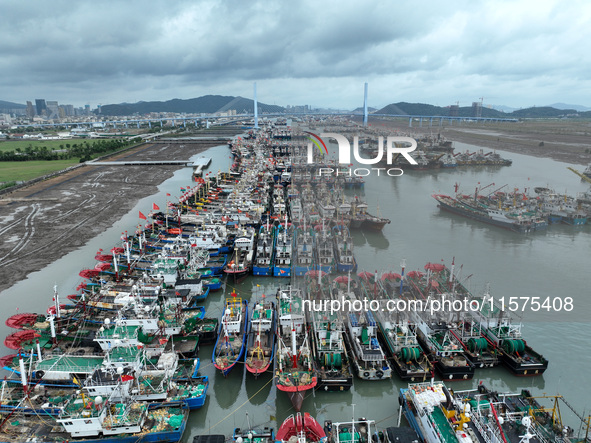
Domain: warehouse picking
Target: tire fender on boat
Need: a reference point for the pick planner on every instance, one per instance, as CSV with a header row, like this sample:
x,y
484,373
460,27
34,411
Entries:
x,y
366,374
379,374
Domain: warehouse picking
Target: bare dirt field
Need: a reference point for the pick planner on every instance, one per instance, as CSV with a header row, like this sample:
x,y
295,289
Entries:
x,y
562,140
42,222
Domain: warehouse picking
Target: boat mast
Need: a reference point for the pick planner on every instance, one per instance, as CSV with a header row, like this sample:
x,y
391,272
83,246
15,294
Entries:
x,y
402,265
56,302
451,274
353,421
294,353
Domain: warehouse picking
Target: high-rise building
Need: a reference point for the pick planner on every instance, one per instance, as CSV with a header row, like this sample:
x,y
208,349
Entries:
x,y
30,110
52,109
41,106
477,109
68,110
454,110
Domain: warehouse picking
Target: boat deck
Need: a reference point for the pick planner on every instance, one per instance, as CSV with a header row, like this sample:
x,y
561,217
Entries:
x,y
70,363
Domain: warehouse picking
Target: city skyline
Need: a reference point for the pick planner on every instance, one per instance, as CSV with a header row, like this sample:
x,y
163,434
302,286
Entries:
x,y
517,54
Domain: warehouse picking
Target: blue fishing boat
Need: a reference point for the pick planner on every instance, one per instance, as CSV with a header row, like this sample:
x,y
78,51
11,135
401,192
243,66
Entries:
x,y
233,330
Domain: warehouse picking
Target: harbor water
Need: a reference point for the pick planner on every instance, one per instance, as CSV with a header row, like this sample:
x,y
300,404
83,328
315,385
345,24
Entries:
x,y
551,263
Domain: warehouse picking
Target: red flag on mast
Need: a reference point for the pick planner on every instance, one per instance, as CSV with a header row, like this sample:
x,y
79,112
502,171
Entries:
x,y
155,207
142,216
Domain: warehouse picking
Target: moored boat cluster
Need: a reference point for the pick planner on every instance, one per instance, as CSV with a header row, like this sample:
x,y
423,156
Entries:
x,y
119,361
518,211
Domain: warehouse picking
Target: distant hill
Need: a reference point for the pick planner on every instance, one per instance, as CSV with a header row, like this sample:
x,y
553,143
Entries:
x,y
579,108
359,110
5,106
502,108
542,112
208,104
404,108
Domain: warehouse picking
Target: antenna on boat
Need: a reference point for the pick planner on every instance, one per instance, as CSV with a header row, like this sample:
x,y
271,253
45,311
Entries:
x,y
402,265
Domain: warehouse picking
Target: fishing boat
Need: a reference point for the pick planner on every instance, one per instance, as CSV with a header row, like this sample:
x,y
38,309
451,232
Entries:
x,y
343,250
447,160
360,430
263,262
213,238
504,332
367,355
231,342
294,367
204,328
369,360
498,217
296,209
429,409
326,209
518,417
443,348
397,333
55,369
361,219
241,263
300,428
477,347
252,434
260,345
191,392
215,264
96,420
358,211
304,251
283,250
451,333
35,400
374,222
325,261
330,353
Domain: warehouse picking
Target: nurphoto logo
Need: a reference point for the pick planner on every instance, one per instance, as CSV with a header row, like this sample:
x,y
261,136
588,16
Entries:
x,y
395,146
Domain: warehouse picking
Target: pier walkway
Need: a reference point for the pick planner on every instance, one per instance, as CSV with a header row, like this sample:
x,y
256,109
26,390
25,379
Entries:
x,y
200,163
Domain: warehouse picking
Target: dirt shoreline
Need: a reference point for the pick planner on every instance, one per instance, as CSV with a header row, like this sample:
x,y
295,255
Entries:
x,y
43,222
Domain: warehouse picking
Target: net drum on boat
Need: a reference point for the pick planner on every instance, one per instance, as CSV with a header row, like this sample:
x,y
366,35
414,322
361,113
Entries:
x,y
477,344
333,361
513,346
410,354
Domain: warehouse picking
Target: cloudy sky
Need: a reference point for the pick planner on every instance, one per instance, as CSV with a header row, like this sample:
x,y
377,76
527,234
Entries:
x,y
514,53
